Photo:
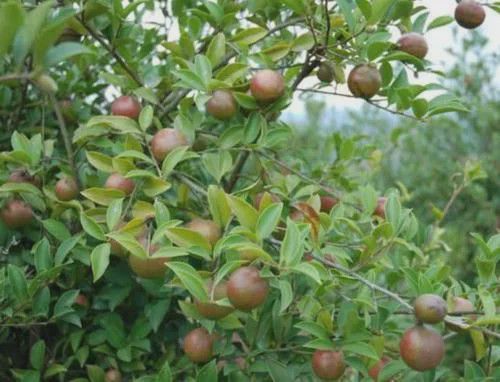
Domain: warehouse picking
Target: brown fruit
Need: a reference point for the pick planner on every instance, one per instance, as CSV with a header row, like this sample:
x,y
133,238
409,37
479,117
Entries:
x,y
414,44
328,365
126,106
246,290
67,111
260,203
364,81
297,215
326,72
150,267
206,228
82,300
430,308
327,203
166,140
377,368
469,14
267,86
198,345
421,348
210,309
460,305
113,375
66,189
16,214
222,105
380,209
118,182
23,176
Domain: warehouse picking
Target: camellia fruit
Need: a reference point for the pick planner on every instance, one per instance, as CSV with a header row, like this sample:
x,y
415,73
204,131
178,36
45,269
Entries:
x,y
267,85
364,81
82,300
16,214
165,140
421,348
327,364
327,203
206,228
469,14
149,267
326,72
377,368
23,176
67,111
198,345
222,105
126,106
414,44
46,83
460,305
118,182
211,310
263,199
66,189
430,308
246,290
113,375
380,209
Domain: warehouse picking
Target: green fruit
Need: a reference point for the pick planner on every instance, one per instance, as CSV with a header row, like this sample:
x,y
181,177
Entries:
x,y
414,44
246,290
267,86
222,105
430,308
198,345
421,348
118,182
326,72
16,214
165,140
364,81
469,14
46,83
328,365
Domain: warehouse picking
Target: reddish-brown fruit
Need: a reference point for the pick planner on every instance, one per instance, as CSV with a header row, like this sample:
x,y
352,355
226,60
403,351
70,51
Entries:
x,y
149,267
328,365
113,375
119,182
297,215
198,345
364,81
206,228
469,14
460,305
421,348
126,106
327,203
377,368
16,214
116,248
222,105
326,72
430,308
210,309
380,209
414,44
246,290
67,111
267,85
66,189
270,198
82,300
165,140
23,176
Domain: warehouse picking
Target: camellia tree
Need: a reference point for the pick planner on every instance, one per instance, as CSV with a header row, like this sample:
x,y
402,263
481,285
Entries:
x,y
151,230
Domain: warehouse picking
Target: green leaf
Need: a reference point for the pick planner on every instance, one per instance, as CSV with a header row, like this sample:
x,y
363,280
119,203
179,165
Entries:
x,y
117,124
113,213
308,270
165,374
11,18
278,371
190,80
99,259
420,107
56,229
91,227
303,42
391,369
185,237
218,205
146,117
439,22
95,373
245,101
20,188
246,214
37,355
64,51
291,248
208,373
249,36
393,212
130,243
217,49
380,8
190,278
268,220
218,163
103,196
203,68
298,6
313,328
100,161
277,51
232,72
362,349
18,283
174,157
286,294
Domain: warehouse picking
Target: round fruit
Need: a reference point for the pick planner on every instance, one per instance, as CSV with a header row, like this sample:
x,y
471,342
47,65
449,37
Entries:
x,y
380,209
165,141
113,375
430,308
377,368
246,290
16,214
469,14
198,345
119,182
206,228
297,215
364,81
126,106
414,44
421,348
23,176
328,364
270,198
149,267
46,83
267,85
211,310
460,305
327,203
326,72
69,35
82,300
67,111
222,105
66,189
